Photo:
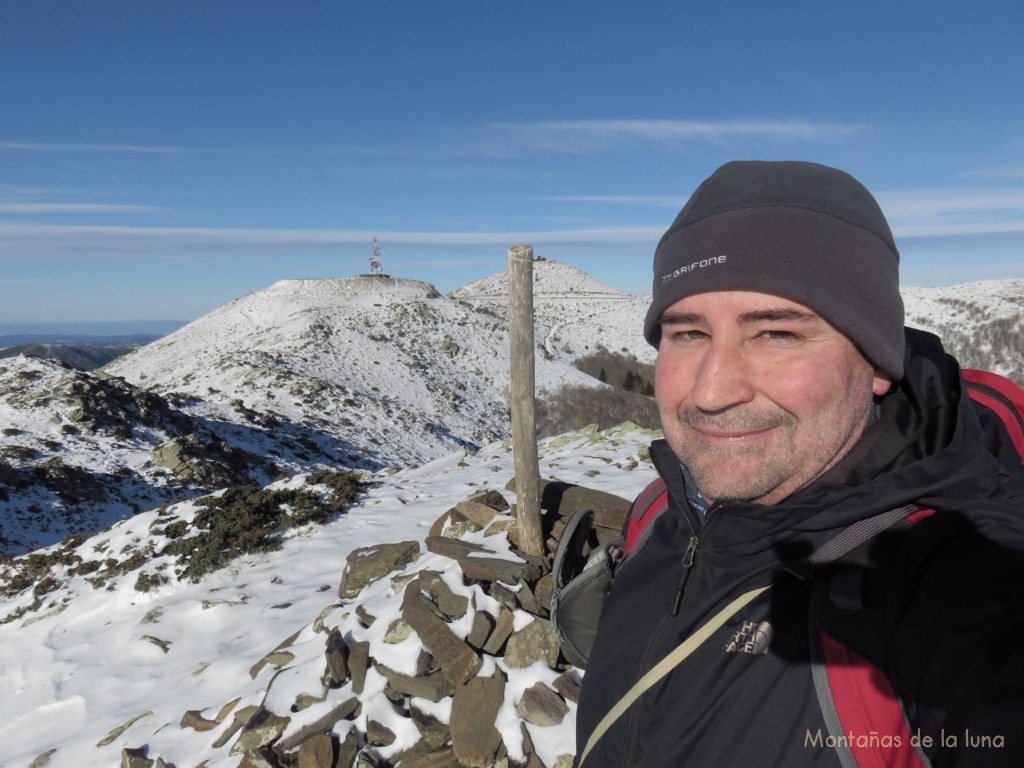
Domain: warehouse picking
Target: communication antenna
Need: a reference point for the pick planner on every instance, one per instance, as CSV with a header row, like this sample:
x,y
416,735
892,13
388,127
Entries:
x,y
375,267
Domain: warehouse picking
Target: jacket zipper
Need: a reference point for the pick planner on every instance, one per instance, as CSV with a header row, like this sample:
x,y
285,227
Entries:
x,y
689,558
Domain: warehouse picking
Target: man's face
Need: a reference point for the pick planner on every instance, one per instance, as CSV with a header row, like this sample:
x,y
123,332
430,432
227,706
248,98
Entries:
x,y
759,395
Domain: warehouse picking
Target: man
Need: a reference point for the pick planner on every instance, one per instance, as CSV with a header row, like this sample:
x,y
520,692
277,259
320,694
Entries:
x,y
795,406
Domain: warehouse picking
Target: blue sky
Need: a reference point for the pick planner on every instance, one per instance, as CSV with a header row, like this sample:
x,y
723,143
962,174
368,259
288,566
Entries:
x,y
160,158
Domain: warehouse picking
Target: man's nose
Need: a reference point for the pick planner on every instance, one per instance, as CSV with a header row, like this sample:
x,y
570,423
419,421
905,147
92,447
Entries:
x,y
724,378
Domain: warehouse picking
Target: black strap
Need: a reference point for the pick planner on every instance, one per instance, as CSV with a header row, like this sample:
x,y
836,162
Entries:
x,y
850,538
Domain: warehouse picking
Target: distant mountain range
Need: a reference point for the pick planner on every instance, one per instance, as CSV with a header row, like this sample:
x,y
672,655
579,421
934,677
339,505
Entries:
x,y
86,356
315,374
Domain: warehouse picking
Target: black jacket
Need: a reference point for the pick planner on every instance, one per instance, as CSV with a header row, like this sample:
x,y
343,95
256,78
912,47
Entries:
x,y
941,613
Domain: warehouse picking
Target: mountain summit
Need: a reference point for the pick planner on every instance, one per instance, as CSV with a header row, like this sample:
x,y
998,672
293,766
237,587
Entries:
x,y
396,370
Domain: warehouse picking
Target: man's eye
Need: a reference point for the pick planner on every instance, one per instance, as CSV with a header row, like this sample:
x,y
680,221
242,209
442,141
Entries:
x,y
780,335
688,335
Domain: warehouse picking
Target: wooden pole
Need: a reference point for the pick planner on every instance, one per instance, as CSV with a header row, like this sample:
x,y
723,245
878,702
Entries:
x,y
521,396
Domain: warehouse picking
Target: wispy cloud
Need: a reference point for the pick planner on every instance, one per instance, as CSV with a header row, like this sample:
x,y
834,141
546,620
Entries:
x,y
998,173
587,136
39,146
27,280
48,208
19,242
954,212
653,201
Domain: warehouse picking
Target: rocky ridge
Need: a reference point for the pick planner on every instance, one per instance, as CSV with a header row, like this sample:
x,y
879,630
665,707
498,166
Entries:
x,y
82,450
457,638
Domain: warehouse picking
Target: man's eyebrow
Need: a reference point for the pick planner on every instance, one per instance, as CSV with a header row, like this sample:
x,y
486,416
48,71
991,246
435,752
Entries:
x,y
757,316
682,318
777,314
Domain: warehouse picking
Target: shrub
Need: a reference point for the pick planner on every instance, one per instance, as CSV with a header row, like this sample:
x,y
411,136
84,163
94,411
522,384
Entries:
x,y
147,582
573,407
245,519
618,369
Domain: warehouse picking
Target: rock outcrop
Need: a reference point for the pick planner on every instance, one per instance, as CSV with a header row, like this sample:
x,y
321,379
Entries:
x,y
443,658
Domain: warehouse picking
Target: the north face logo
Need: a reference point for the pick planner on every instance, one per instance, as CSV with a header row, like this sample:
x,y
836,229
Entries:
x,y
750,638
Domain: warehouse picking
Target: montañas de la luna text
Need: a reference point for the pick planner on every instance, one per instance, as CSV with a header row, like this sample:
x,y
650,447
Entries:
x,y
876,740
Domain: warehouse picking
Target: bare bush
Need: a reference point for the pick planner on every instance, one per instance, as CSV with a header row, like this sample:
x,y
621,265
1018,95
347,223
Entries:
x,y
621,371
574,407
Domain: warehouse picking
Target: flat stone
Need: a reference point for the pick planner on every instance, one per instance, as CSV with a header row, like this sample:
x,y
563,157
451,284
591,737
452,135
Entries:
x,y
453,606
262,729
476,512
540,705
241,717
358,663
367,564
307,700
365,618
435,686
454,549
483,625
322,724
565,498
435,732
442,758
317,752
535,642
502,631
276,659
335,653
347,750
44,759
568,685
398,631
495,569
499,526
379,735
448,519
457,660
542,591
226,710
459,530
262,757
504,595
492,499
194,719
528,601
475,739
532,761
132,757
450,606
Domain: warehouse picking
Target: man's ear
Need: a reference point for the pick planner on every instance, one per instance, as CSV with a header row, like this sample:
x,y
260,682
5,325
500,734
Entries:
x,y
882,383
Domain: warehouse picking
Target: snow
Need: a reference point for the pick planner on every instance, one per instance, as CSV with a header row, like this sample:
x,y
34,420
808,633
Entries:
x,y
380,372
68,680
368,372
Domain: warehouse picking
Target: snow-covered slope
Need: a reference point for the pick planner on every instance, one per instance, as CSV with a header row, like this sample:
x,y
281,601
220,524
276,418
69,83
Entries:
x,y
363,372
981,323
401,372
92,665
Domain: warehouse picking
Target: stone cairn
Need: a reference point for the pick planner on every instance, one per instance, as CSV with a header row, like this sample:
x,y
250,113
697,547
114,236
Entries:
x,y
478,615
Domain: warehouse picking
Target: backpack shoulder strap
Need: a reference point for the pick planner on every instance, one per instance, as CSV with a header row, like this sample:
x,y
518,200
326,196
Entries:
x,y
999,404
651,502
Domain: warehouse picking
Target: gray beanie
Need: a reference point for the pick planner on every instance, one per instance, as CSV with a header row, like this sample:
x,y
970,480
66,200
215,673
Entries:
x,y
799,230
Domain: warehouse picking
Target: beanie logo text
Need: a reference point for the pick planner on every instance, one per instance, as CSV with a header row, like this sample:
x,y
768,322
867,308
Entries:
x,y
686,268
